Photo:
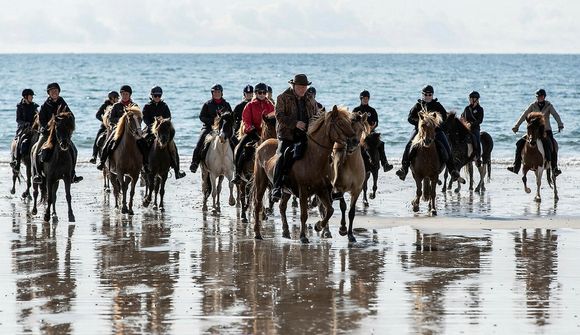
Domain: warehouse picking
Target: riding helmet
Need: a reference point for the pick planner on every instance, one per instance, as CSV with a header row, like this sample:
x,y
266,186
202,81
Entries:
x,y
261,87
365,94
428,89
474,94
51,86
248,89
217,87
311,90
156,90
126,88
541,92
113,95
269,89
26,92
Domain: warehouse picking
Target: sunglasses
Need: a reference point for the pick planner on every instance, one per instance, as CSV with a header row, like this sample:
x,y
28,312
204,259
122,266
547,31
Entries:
x,y
157,95
261,92
428,94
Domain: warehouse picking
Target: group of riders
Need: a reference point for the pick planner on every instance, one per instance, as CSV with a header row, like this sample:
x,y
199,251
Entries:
x,y
290,113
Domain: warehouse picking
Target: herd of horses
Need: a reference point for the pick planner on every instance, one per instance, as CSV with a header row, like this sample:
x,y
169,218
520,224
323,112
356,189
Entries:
x,y
332,164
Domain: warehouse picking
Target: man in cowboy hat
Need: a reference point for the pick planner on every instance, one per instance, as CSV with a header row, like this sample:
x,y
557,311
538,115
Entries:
x,y
294,109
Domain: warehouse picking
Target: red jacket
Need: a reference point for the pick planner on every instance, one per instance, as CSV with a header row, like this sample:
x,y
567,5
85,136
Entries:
x,y
253,112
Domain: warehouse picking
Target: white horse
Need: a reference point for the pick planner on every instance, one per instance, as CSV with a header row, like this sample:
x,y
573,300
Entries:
x,y
218,162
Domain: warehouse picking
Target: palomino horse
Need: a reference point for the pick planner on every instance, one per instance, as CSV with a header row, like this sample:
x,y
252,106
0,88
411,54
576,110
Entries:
x,y
425,164
463,153
348,173
31,136
219,161
159,161
533,155
309,175
125,162
60,164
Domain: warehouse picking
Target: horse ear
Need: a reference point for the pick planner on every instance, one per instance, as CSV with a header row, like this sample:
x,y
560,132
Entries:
x,y
434,114
364,116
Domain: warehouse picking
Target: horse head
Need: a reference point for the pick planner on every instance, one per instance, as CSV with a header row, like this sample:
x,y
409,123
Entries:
x,y
63,127
428,123
338,126
163,130
360,126
132,121
457,129
536,127
224,124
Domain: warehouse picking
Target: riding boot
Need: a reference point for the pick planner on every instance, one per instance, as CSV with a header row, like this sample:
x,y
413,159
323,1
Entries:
x,y
197,151
383,157
239,158
107,150
405,163
174,162
37,179
555,168
515,168
93,159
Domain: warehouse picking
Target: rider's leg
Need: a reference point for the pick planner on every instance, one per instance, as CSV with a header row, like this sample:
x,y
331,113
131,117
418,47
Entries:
x,y
74,154
515,168
406,160
441,138
174,156
197,151
477,146
239,158
108,147
383,157
37,179
282,162
554,151
93,159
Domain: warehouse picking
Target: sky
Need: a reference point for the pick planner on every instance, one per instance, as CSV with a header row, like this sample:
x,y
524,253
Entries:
x,y
314,26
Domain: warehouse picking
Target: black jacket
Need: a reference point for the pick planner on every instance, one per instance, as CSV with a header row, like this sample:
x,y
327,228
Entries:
x,y
473,116
433,106
238,111
211,109
48,109
152,109
118,111
372,116
101,110
25,113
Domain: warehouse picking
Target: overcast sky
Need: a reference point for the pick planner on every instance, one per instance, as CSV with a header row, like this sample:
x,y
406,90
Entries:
x,y
483,26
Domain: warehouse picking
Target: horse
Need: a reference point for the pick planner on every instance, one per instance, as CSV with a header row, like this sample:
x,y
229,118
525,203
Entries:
x,y
126,161
533,157
60,164
463,152
371,144
309,175
31,135
348,173
219,161
159,161
101,141
425,163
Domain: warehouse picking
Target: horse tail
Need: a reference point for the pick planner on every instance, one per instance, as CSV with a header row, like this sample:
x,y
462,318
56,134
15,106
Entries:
x,y
488,165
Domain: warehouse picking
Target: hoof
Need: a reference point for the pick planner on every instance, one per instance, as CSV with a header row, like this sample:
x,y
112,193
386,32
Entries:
x,y
286,234
25,195
34,211
351,238
46,218
304,240
161,209
12,191
204,208
538,199
54,219
415,209
154,207
372,196
366,203
244,220
433,212
258,237
71,218
232,202
456,190
528,190
318,226
130,212
342,231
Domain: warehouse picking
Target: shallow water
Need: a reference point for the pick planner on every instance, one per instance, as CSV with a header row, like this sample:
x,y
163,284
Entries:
x,y
183,271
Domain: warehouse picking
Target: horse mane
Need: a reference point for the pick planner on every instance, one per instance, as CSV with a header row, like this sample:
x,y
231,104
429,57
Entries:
x,y
459,124
67,118
107,116
131,110
432,119
160,123
318,119
536,120
218,118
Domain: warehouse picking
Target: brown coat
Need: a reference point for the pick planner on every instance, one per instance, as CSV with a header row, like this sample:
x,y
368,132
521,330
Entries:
x,y
287,113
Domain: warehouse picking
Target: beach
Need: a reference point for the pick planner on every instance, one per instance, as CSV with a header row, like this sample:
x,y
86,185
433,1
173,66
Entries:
x,y
496,262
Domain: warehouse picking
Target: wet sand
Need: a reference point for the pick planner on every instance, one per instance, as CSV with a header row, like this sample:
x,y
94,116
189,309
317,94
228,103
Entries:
x,y
492,263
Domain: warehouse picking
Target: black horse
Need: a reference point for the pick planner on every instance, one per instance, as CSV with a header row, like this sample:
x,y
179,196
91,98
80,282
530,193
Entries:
x,y
373,146
460,139
59,165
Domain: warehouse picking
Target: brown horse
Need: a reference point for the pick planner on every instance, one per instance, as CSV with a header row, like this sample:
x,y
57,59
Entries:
x,y
31,136
533,155
309,175
348,173
159,161
60,164
425,164
125,162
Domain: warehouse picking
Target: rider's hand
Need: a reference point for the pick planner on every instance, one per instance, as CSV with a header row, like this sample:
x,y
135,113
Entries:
x,y
560,128
301,125
515,130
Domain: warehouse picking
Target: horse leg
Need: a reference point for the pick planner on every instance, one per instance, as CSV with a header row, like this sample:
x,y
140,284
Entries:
x,y
148,190
124,186
351,212
556,198
26,194
35,196
162,194
433,191
156,185
260,184
218,191
525,180
131,194
71,215
283,206
539,172
444,189
365,185
303,216
470,173
324,198
481,185
418,193
343,231
232,200
375,177
49,200
14,178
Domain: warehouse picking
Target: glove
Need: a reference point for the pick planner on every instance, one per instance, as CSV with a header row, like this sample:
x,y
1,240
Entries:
x,y
560,127
515,130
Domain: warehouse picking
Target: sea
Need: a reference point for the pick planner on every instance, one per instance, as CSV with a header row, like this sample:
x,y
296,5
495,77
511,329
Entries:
x,y
506,83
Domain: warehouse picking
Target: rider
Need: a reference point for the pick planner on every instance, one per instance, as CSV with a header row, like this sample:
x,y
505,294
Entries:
x,y
545,107
212,108
294,109
25,112
53,104
373,120
312,91
259,108
116,113
248,93
157,107
269,95
432,105
473,114
112,99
